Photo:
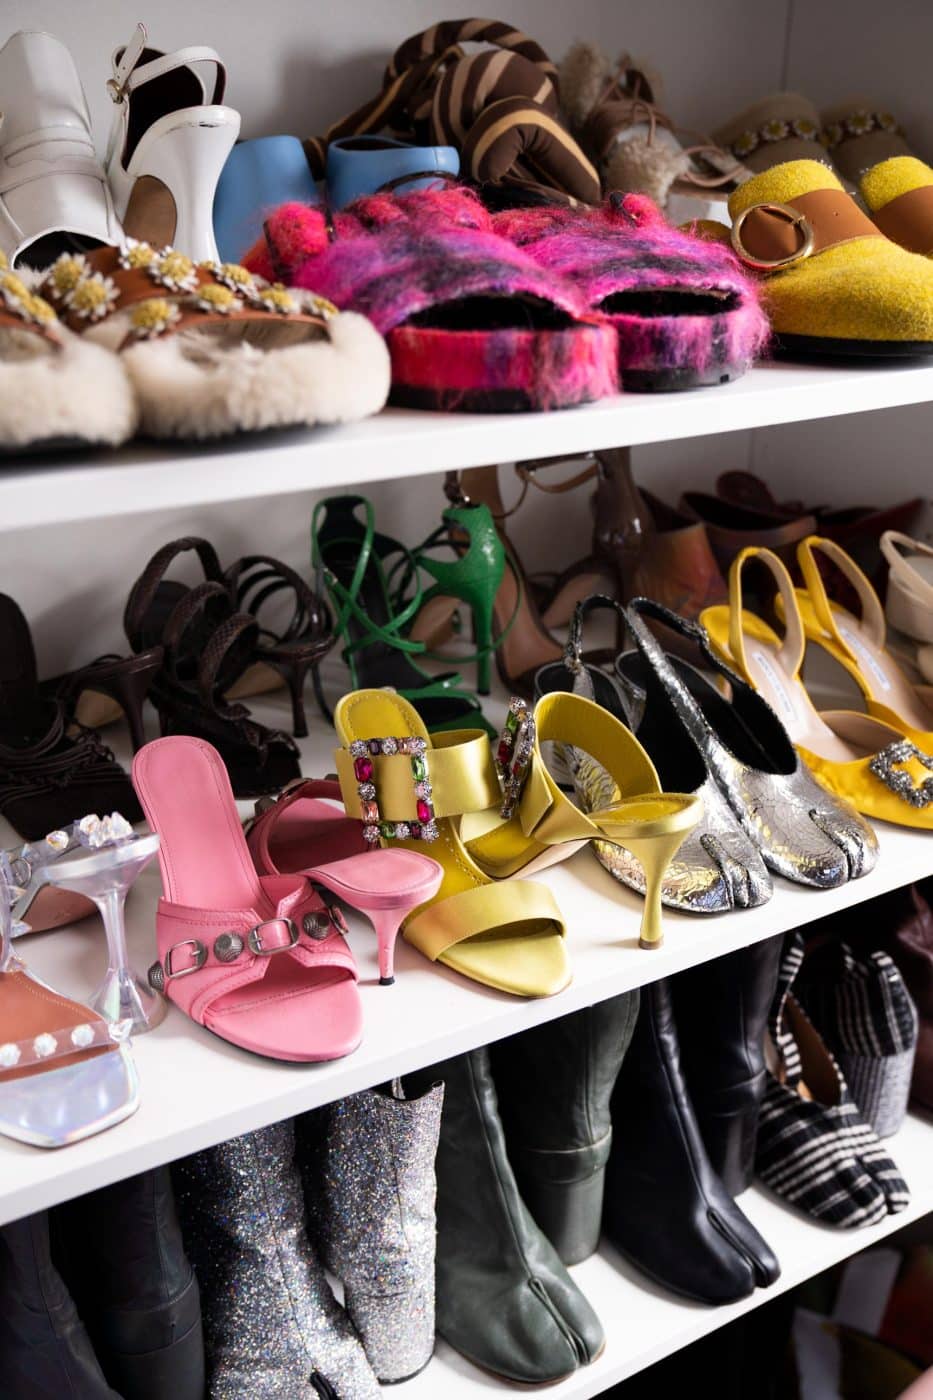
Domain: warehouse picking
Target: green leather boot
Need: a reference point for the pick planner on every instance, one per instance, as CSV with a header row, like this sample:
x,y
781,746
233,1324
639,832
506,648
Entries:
x,y
554,1085
504,1299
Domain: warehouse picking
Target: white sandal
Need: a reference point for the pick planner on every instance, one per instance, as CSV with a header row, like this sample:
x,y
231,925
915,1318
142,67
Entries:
x,y
53,191
169,142
211,350
56,390
909,604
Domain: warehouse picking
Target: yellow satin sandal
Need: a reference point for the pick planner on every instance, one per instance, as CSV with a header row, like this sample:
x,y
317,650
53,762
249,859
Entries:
x,y
541,825
857,756
408,788
859,643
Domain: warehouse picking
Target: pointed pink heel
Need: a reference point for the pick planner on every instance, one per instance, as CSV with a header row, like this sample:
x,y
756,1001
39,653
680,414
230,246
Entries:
x,y
384,885
258,960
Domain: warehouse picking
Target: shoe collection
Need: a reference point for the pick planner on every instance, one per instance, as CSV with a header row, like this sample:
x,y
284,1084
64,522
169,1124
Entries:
x,y
185,286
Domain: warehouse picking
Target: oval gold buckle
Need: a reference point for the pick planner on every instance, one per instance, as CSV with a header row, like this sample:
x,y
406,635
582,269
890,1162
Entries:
x,y
784,211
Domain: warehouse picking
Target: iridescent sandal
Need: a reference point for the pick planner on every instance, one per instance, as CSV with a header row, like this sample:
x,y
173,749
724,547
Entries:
x,y
212,350
56,390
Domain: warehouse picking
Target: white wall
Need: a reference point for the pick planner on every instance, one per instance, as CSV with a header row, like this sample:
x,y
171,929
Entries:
x,y
295,66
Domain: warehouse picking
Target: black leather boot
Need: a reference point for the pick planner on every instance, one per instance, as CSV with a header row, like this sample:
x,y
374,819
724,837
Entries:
x,y
721,1009
120,1251
554,1085
45,1353
504,1299
665,1208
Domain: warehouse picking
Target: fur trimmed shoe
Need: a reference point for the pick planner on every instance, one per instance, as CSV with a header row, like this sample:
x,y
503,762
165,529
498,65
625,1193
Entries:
x,y
472,321
209,350
683,311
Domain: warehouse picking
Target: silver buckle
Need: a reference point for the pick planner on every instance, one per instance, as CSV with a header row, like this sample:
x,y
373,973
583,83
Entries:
x,y
254,937
160,973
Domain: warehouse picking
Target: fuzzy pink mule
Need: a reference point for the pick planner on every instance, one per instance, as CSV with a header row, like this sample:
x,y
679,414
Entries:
x,y
684,312
472,322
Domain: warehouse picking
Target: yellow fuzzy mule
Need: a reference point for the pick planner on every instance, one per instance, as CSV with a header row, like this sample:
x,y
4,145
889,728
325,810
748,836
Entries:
x,y
835,285
899,193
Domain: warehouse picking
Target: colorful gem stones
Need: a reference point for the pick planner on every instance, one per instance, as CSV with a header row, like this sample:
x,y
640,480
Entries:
x,y
513,753
376,828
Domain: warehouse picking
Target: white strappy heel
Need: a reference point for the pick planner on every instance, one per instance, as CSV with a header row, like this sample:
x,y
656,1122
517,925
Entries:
x,y
54,196
169,142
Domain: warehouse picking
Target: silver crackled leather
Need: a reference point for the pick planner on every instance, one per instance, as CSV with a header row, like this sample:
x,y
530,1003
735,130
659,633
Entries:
x,y
804,832
368,1167
717,868
273,1329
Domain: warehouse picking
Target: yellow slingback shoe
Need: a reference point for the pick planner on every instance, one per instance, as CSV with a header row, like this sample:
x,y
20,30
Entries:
x,y
859,643
541,825
857,756
409,787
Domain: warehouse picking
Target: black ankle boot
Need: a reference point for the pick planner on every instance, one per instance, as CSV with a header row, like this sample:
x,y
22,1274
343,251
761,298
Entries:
x,y
554,1084
120,1251
45,1353
504,1299
721,1008
665,1208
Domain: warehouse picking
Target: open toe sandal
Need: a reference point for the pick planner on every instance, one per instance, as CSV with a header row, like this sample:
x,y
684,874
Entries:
x,y
303,832
56,390
472,322
211,350
259,961
408,788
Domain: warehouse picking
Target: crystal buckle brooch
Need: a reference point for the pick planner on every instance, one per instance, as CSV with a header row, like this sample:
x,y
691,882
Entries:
x,y
884,765
375,828
513,753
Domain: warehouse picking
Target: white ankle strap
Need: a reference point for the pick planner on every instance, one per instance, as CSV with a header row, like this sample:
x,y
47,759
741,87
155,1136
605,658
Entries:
x,y
127,76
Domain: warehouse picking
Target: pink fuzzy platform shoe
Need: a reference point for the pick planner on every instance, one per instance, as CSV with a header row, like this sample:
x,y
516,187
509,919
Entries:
x,y
684,312
472,322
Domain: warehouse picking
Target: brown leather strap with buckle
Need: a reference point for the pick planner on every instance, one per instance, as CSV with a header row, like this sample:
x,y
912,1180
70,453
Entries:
x,y
908,220
771,236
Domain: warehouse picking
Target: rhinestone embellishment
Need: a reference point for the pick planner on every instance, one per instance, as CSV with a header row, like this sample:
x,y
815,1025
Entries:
x,y
9,1055
375,828
82,1036
513,753
44,1045
884,765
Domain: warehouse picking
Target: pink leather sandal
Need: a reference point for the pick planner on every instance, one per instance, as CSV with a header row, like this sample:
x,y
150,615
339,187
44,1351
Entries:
x,y
260,961
385,885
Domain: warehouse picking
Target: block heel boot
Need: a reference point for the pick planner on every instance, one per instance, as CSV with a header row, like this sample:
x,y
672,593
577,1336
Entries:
x,y
554,1085
539,1328
120,1251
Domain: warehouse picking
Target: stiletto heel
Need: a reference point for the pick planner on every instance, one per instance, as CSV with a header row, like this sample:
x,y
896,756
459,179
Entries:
x,y
386,922
123,680
482,636
654,852
164,162
295,675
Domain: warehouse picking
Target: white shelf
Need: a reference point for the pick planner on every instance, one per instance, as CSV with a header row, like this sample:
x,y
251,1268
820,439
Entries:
x,y
400,443
197,1090
645,1323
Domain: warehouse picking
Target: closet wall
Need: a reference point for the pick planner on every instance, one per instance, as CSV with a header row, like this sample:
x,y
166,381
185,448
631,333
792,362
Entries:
x,y
294,66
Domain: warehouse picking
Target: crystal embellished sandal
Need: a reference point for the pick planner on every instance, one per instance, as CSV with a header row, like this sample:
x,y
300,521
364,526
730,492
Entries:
x,y
56,390
408,787
65,1072
211,350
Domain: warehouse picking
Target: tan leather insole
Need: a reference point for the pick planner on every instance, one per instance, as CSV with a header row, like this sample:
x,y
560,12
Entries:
x,y
150,214
28,1009
791,703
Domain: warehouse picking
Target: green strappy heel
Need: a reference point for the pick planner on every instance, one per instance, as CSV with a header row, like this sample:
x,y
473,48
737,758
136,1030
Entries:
x,y
375,589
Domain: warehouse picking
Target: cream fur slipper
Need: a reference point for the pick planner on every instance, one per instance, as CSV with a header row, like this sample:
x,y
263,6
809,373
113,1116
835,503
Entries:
x,y
56,390
211,350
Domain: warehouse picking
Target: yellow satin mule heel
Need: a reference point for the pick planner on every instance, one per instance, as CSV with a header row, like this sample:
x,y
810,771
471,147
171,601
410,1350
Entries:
x,y
859,643
410,788
860,757
542,825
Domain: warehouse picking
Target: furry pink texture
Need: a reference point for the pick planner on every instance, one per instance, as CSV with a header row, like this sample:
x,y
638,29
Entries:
x,y
431,262
643,274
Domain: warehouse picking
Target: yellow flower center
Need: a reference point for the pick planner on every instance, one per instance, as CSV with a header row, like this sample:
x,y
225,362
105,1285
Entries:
x,y
66,274
175,266
88,296
219,297
154,314
140,255
277,298
235,273
38,308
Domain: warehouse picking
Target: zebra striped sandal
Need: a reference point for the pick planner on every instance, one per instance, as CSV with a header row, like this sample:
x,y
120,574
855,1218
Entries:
x,y
814,1150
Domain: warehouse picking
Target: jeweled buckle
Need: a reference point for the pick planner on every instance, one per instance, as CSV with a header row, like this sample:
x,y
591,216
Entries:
x,y
513,753
363,752
884,766
161,973
784,211
255,943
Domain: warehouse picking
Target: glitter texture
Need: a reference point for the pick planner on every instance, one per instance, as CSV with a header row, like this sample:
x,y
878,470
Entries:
x,y
271,1323
368,1165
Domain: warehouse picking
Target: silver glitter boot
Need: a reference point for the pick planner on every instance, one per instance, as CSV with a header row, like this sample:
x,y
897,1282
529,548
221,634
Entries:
x,y
272,1327
368,1165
